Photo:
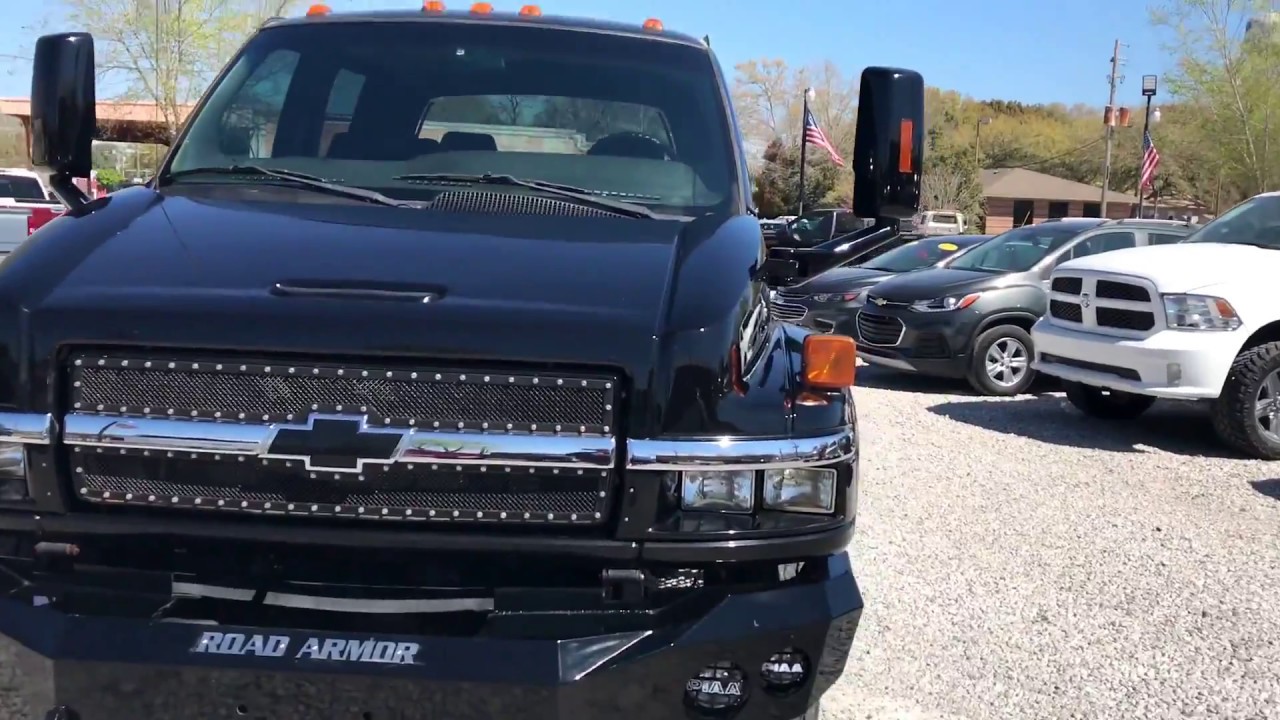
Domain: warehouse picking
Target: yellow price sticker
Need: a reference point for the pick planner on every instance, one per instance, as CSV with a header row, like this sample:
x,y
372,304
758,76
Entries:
x,y
948,247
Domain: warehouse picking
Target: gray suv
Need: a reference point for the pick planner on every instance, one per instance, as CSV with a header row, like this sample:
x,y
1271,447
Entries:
x,y
972,318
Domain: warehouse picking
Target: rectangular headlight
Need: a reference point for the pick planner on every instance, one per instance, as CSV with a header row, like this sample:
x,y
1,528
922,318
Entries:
x,y
800,490
718,490
13,472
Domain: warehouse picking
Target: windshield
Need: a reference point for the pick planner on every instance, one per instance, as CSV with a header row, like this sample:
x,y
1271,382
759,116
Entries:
x,y
1017,250
1255,221
363,104
915,255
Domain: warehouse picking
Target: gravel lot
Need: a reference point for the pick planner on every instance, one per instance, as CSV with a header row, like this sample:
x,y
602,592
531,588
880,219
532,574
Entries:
x,y
1019,560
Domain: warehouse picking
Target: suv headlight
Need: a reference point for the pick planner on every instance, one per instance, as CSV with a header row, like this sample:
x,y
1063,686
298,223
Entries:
x,y
1199,312
835,297
944,304
13,472
800,490
719,490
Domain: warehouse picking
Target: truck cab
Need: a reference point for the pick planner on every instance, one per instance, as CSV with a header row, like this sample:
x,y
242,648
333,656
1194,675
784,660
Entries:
x,y
434,373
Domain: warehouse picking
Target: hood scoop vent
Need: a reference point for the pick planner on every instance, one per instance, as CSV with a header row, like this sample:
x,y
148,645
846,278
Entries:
x,y
497,203
353,290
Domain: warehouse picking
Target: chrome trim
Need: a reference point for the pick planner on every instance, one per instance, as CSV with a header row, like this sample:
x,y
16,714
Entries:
x,y
735,454
902,329
337,604
416,445
27,428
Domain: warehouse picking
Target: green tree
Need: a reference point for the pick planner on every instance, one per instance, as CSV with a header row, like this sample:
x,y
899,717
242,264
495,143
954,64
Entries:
x,y
166,52
777,182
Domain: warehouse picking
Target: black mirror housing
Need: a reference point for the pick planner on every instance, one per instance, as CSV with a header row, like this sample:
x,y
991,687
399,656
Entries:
x,y
889,144
64,115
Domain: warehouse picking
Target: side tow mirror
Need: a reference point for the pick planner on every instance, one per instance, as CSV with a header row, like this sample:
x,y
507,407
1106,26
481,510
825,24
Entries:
x,y
64,114
889,144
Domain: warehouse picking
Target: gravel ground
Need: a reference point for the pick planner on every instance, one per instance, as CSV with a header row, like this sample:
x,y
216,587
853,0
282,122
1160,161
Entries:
x,y
1019,560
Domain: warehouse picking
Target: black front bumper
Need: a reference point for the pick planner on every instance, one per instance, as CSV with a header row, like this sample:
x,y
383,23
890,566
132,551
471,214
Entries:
x,y
109,668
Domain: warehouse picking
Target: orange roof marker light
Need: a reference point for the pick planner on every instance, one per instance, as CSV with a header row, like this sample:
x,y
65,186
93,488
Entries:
x,y
319,10
653,25
433,6
829,361
482,9
531,11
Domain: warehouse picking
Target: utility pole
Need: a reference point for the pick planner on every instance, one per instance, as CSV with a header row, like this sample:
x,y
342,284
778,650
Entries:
x,y
1110,120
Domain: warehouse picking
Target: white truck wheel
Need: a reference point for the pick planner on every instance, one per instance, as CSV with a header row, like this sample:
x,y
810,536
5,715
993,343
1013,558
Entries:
x,y
1246,415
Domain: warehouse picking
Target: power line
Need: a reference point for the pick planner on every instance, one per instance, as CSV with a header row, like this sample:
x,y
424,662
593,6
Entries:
x,y
1059,156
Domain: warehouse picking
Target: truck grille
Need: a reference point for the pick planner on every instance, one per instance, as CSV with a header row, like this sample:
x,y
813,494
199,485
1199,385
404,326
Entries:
x,y
1123,306
228,389
382,441
879,330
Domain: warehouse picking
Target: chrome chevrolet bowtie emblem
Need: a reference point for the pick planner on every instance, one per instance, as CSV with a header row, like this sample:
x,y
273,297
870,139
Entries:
x,y
879,301
1084,300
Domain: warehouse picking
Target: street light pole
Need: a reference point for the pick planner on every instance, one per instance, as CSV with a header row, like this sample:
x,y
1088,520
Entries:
x,y
1149,92
977,140
1113,79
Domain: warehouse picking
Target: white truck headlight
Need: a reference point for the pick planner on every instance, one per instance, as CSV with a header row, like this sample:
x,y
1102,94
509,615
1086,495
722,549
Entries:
x,y
800,490
718,490
13,472
1199,312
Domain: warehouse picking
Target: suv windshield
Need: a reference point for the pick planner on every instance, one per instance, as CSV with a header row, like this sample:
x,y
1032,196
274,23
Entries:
x,y
1255,221
1017,250
366,104
915,255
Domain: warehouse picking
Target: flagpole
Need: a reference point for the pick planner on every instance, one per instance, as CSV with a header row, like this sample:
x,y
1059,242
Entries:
x,y
1149,90
804,115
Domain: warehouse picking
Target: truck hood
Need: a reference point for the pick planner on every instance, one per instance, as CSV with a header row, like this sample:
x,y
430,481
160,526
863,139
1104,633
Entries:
x,y
842,279
1184,267
182,272
932,283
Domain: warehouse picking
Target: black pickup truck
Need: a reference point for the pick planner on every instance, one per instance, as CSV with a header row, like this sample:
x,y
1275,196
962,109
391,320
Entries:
x,y
433,375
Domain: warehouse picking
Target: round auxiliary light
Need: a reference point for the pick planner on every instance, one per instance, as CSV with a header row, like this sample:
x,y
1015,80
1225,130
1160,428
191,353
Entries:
x,y
785,671
717,689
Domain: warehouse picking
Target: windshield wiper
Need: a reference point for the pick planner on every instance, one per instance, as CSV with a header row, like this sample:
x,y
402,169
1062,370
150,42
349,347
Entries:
x,y
582,195
302,179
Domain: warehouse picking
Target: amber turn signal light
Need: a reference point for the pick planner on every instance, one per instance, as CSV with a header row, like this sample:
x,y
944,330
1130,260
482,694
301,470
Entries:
x,y
653,25
531,11
829,361
433,6
482,8
319,10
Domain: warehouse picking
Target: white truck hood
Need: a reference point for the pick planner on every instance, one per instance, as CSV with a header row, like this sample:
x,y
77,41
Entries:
x,y
1185,267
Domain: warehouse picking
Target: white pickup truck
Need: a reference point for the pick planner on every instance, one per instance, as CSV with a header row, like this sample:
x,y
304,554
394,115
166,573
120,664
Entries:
x,y
25,205
1195,320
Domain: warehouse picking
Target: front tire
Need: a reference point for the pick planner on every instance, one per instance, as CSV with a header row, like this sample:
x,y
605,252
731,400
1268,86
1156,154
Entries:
x,y
1107,404
1001,361
1246,416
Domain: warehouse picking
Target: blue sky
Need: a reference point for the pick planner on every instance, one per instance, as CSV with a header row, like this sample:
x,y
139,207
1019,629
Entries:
x,y
1029,50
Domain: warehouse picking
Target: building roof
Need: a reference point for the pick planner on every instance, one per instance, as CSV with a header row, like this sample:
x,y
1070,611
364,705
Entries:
x,y
1024,184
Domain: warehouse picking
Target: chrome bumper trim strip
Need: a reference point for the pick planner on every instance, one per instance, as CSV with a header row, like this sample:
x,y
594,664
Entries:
x,y
27,428
736,454
414,445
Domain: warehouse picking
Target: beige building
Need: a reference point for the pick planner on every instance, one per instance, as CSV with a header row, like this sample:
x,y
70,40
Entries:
x,y
1018,196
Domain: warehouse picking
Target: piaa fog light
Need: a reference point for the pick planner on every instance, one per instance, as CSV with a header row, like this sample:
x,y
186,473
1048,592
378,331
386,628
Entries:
x,y
785,671
720,687
722,490
800,490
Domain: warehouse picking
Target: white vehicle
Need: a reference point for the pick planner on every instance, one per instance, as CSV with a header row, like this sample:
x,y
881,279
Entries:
x,y
936,222
1195,320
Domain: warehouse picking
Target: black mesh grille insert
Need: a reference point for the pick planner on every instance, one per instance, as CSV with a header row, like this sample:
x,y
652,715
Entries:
x,y
286,391
1065,311
1122,291
1071,285
512,204
1125,319
404,492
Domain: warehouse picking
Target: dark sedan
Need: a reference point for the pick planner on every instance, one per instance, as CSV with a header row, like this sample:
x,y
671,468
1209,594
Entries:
x,y
830,301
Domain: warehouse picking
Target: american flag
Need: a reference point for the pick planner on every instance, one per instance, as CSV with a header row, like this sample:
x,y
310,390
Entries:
x,y
814,136
1150,160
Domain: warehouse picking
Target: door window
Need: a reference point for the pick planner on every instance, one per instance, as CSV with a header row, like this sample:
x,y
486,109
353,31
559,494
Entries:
x,y
1164,238
1103,242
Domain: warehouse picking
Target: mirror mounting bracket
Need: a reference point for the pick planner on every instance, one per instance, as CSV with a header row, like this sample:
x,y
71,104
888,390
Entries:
x,y
67,191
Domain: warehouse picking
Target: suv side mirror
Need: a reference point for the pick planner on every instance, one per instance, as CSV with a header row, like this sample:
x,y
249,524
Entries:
x,y
889,144
64,114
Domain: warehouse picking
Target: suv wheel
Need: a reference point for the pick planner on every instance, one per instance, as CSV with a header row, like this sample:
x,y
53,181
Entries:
x,y
1107,404
1246,415
1001,361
